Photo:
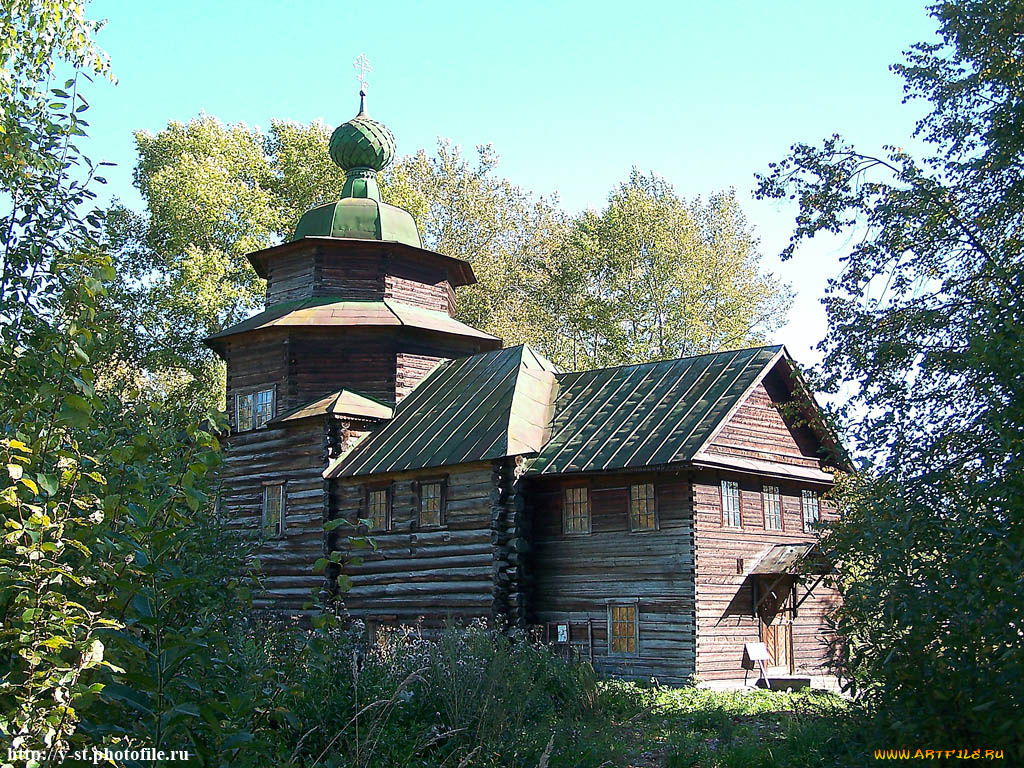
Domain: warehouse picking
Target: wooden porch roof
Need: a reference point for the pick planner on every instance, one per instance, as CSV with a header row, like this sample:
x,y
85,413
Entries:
x,y
343,402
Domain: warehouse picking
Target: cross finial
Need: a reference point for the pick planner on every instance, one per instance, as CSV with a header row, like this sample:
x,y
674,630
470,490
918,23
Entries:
x,y
362,64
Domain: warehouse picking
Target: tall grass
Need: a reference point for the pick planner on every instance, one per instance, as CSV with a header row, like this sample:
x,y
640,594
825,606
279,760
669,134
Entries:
x,y
471,696
463,696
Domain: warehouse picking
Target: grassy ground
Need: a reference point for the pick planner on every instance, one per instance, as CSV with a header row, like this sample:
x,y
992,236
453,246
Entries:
x,y
684,727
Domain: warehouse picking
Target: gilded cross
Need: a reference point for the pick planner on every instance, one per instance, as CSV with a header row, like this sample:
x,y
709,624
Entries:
x,y
362,64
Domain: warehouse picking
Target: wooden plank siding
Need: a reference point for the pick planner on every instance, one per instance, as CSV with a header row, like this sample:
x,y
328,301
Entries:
x,y
725,607
757,430
425,576
576,575
295,453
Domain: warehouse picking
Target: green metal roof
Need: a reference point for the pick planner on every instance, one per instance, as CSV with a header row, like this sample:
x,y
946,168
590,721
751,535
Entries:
x,y
362,218
362,142
469,409
360,147
501,403
646,415
342,402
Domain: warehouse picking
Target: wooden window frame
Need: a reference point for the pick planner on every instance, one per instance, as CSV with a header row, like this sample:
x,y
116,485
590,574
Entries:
x,y
253,392
739,504
765,496
267,485
565,509
442,512
655,517
633,603
389,497
804,494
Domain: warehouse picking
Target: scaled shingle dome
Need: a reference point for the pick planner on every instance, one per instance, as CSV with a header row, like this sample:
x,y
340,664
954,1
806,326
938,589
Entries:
x,y
362,142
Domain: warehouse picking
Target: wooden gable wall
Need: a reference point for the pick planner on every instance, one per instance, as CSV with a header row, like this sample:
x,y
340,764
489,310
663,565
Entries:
x,y
757,430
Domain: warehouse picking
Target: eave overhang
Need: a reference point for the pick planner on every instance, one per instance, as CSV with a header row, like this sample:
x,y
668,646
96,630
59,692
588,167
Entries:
x,y
331,313
459,272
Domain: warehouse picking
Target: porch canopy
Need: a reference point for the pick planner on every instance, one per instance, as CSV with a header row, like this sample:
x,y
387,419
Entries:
x,y
787,562
792,559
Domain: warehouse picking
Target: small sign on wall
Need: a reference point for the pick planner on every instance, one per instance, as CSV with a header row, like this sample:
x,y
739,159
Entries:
x,y
756,651
563,633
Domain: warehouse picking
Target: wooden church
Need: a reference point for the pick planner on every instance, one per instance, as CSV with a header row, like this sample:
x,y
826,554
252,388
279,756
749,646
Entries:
x,y
654,518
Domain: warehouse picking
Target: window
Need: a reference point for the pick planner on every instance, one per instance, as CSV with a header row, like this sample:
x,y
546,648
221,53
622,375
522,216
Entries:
x,y
253,409
772,507
576,512
273,510
378,508
622,628
731,503
641,507
812,515
432,503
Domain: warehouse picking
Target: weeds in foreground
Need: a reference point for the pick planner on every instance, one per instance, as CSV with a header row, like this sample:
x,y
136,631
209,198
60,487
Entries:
x,y
470,696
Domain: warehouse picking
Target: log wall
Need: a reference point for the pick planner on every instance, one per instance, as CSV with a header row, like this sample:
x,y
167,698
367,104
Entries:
x,y
290,276
575,576
296,454
425,576
306,364
358,272
257,364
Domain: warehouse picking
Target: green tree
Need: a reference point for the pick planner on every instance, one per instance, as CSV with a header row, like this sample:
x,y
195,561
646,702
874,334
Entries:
x,y
926,322
653,277
111,607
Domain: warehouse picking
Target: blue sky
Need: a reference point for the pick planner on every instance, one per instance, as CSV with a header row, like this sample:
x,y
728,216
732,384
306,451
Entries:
x,y
571,94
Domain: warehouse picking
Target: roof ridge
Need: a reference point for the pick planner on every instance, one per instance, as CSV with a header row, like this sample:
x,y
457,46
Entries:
x,y
774,347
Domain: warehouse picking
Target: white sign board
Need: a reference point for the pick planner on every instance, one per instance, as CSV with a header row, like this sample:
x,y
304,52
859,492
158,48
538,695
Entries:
x,y
563,633
756,651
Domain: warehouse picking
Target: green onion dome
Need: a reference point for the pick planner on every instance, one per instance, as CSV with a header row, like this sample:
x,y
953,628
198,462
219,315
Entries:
x,y
361,148
362,142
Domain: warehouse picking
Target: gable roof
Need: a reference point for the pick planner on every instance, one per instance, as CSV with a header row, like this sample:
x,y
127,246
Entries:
x,y
470,409
514,402
342,402
648,414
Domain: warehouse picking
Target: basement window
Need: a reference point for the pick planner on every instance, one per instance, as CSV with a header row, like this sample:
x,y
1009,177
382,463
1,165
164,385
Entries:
x,y
812,513
253,409
772,507
731,504
623,628
576,510
273,510
378,508
642,515
432,503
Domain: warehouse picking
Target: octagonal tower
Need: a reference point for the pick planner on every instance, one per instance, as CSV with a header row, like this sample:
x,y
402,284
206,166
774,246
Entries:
x,y
356,313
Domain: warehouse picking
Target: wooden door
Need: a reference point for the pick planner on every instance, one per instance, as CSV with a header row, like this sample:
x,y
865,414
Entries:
x,y
776,619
